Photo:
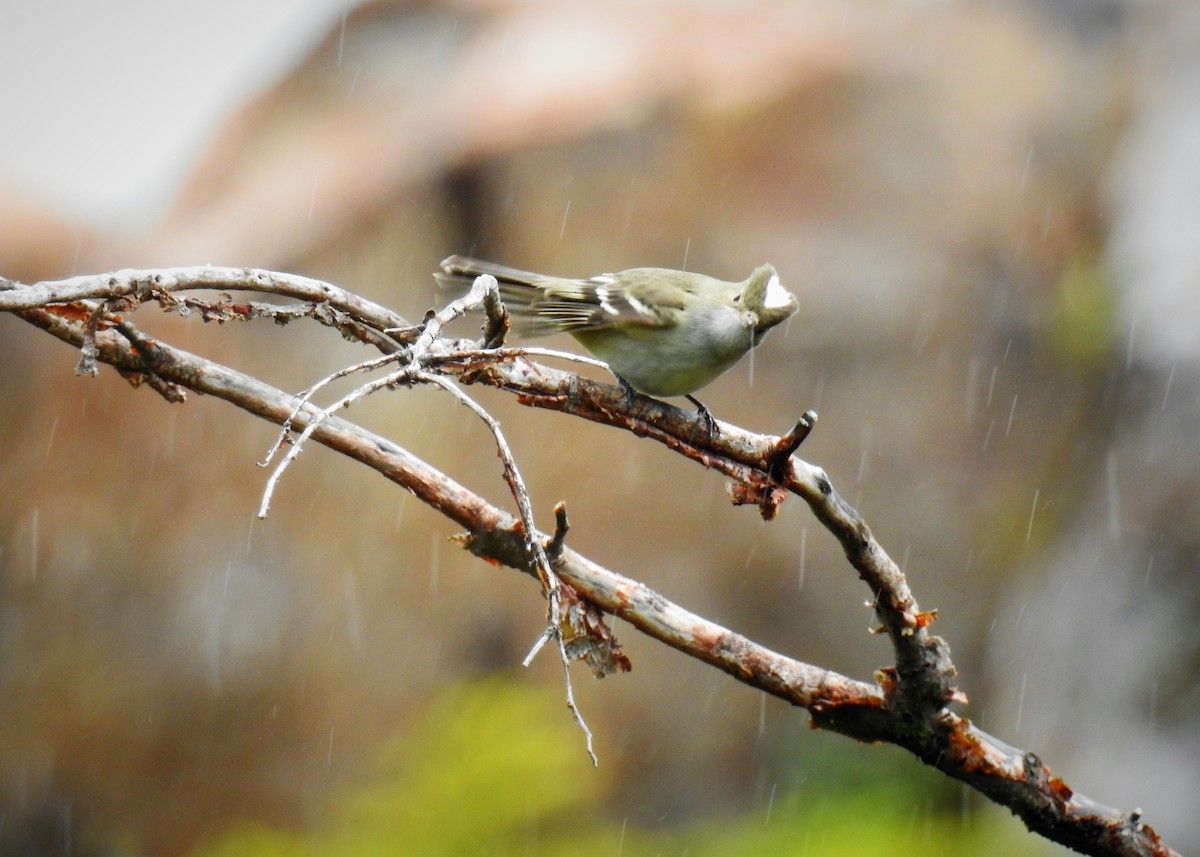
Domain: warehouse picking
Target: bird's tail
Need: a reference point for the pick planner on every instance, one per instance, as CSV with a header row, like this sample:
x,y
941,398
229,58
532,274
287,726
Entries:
x,y
462,270
522,291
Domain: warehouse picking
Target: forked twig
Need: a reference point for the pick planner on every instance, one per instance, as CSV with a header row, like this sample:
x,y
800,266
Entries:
x,y
319,416
306,395
549,580
418,354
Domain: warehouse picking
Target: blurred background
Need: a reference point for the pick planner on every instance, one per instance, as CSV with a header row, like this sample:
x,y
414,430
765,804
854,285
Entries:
x,y
991,215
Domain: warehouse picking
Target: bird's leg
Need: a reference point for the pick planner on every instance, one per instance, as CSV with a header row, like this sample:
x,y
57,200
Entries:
x,y
710,422
626,389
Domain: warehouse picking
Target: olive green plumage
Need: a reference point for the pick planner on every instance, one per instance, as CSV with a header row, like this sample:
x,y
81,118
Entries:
x,y
664,332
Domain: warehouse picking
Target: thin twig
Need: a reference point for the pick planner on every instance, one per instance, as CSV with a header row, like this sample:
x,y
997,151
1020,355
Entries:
x,y
546,575
484,292
314,423
571,706
306,395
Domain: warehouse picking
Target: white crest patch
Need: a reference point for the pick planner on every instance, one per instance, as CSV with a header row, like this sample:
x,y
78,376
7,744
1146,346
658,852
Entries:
x,y
777,295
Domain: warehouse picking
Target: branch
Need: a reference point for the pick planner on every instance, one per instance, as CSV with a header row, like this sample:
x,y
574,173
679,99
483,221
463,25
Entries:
x,y
909,704
158,284
759,472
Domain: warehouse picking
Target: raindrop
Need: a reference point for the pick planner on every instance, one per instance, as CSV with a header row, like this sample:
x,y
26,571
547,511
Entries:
x,y
1011,412
709,700
168,446
819,390
329,749
987,438
503,52
1021,701
33,543
803,558
687,250
1167,390
50,441
1025,168
770,800
562,229
762,716
992,385
924,329
1114,495
913,817
1032,512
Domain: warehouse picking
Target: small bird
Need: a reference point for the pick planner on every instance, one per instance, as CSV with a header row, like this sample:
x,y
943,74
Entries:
x,y
661,332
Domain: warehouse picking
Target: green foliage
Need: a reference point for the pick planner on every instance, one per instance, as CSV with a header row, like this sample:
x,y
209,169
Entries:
x,y
1082,329
881,822
495,768
484,771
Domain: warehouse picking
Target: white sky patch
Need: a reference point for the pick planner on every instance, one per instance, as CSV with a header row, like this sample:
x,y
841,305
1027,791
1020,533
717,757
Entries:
x,y
109,104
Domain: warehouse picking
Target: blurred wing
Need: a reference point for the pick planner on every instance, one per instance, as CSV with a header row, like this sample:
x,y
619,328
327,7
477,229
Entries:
x,y
544,305
604,301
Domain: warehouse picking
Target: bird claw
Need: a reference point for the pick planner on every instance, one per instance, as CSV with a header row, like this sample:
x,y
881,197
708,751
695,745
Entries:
x,y
626,389
710,422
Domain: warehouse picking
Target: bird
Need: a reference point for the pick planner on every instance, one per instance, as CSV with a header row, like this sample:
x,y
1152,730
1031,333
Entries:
x,y
662,332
